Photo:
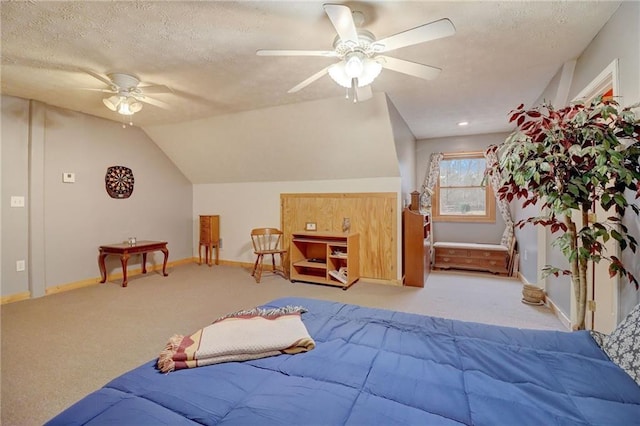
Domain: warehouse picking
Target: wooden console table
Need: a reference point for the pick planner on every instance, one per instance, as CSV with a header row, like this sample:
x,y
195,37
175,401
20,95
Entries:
x,y
125,250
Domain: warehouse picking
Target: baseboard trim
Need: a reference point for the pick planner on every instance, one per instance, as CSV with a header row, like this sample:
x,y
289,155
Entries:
x,y
91,281
133,272
524,280
15,297
550,304
237,263
558,313
77,284
113,277
395,283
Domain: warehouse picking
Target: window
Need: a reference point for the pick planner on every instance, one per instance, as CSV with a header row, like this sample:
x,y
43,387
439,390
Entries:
x,y
459,195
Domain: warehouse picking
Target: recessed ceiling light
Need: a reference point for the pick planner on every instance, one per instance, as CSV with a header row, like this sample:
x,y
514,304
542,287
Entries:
x,y
463,123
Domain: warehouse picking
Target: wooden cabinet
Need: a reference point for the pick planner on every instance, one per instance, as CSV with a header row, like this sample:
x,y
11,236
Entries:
x,y
478,257
209,238
325,258
416,255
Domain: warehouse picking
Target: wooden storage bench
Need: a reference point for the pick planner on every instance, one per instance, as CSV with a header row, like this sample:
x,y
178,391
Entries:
x,y
492,258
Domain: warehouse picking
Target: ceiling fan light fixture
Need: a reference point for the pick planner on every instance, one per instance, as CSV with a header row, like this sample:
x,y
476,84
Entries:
x,y
135,106
129,106
354,66
112,102
338,73
124,109
370,71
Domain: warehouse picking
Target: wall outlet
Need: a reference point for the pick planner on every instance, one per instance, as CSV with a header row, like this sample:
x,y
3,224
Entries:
x,y
20,265
220,243
525,255
68,177
17,201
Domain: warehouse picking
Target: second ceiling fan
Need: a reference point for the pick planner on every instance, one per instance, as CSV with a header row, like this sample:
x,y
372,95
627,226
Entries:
x,y
361,55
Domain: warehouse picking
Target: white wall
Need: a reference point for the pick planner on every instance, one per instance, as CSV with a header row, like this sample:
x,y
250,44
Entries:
x,y
527,237
244,206
618,39
325,139
62,225
405,144
241,163
15,221
460,232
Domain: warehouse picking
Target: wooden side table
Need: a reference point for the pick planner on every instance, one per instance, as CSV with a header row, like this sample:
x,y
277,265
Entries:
x,y
209,238
125,250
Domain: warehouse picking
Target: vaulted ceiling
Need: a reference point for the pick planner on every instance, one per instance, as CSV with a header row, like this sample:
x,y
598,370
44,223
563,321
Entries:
x,y
502,54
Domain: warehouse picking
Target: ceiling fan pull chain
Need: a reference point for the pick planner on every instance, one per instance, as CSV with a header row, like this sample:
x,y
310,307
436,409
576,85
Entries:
x,y
354,85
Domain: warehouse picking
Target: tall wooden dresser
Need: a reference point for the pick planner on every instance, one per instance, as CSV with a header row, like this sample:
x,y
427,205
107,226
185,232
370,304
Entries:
x,y
209,238
416,236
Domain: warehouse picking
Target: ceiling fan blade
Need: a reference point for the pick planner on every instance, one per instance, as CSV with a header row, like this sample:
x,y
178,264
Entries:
x,y
152,101
342,19
309,80
427,32
97,90
327,53
364,93
105,80
412,68
156,88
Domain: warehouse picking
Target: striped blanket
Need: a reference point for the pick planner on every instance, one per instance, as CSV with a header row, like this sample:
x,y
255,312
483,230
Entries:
x,y
241,336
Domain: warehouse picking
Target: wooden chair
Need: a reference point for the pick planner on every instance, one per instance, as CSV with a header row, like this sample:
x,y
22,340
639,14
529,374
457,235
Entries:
x,y
267,241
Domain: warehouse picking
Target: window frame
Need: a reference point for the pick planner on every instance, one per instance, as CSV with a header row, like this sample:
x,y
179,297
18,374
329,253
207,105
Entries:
x,y
490,201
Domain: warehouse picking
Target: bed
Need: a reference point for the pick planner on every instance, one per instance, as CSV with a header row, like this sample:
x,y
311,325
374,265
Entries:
x,y
373,366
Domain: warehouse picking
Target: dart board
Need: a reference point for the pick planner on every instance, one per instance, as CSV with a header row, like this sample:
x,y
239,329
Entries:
x,y
119,182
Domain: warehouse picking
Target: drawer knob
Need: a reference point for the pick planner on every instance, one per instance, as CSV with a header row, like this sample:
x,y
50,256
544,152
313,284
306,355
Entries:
x,y
451,251
446,259
486,254
493,262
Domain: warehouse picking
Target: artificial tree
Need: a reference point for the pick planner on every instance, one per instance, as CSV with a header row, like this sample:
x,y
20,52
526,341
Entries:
x,y
571,160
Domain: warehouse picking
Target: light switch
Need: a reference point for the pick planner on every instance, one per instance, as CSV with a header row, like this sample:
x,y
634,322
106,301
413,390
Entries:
x,y
68,177
17,201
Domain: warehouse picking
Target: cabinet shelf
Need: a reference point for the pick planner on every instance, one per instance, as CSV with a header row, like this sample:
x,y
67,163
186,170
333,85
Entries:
x,y
305,246
308,264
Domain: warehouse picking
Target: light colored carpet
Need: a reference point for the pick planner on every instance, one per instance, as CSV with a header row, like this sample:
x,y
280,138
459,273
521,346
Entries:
x,y
58,348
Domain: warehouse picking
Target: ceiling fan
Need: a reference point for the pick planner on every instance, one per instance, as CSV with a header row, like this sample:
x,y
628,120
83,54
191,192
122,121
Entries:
x,y
360,54
127,94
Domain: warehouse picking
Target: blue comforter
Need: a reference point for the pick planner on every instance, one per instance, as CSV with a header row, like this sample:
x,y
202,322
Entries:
x,y
378,367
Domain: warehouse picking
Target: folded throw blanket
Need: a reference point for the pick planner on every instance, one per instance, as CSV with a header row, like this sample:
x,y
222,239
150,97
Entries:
x,y
241,336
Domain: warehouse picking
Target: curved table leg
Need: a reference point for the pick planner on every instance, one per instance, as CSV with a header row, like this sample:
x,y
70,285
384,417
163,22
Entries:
x,y
103,269
144,263
164,264
124,259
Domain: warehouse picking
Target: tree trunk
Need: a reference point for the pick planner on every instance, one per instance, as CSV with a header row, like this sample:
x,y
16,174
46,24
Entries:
x,y
578,276
583,263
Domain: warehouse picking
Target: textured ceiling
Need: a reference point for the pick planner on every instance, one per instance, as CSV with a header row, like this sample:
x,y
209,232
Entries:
x,y
503,53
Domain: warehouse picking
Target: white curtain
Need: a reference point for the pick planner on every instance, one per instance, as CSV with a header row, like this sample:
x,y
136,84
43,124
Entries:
x,y
430,180
503,205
